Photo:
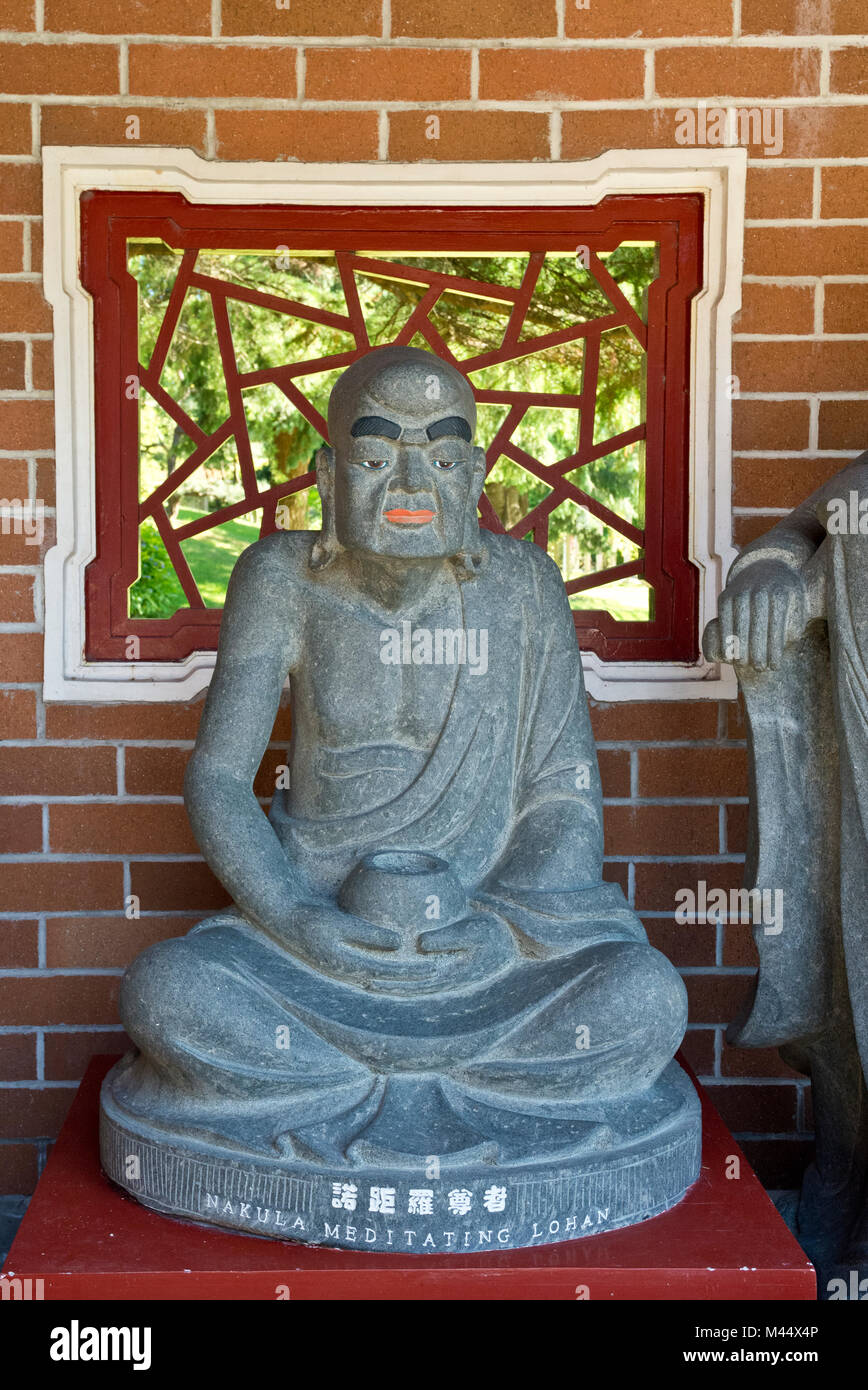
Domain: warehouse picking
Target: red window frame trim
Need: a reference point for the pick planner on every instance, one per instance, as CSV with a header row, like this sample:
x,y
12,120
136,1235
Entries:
x,y
110,219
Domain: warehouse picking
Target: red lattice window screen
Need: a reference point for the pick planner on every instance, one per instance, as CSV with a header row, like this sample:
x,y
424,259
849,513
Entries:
x,y
219,331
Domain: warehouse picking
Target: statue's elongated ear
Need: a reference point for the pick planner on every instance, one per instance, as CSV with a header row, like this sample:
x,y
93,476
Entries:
x,y
326,545
472,551
479,467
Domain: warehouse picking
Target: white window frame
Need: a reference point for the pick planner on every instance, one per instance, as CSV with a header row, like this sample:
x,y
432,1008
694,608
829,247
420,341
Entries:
x,y
717,174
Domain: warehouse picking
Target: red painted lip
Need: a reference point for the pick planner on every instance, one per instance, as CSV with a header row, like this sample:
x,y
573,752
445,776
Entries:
x,y
403,516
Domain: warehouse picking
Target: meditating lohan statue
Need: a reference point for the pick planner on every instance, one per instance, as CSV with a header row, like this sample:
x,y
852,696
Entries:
x,y
426,1018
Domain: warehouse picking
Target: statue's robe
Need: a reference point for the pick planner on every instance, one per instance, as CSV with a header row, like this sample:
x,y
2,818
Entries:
x,y
808,739
586,1011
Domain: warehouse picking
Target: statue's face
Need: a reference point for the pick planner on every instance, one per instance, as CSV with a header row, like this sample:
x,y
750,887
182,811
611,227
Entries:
x,y
407,476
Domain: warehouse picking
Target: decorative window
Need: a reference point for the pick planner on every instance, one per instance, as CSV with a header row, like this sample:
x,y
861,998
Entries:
x,y
219,327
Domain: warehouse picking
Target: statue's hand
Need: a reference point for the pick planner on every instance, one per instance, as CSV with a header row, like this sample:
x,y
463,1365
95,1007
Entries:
x,y
471,949
335,942
760,611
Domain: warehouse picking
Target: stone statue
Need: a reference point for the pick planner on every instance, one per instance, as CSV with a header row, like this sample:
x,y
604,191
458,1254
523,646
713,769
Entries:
x,y
793,619
427,1022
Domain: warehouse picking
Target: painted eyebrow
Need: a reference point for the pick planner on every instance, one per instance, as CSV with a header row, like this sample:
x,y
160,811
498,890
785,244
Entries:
x,y
453,424
375,424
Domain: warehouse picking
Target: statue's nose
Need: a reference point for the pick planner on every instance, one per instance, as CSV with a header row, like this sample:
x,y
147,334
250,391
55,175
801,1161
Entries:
x,y
412,471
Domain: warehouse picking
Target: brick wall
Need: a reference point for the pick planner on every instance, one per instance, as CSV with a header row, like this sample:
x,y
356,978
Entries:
x,y
90,804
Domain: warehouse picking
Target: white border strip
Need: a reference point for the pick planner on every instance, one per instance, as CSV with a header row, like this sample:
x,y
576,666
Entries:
x,y
717,174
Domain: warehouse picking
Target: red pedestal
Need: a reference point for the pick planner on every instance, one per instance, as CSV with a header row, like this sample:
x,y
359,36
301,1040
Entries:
x,y
87,1240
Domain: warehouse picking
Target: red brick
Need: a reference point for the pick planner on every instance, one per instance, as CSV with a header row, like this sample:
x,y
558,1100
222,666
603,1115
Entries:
x,y
736,829
850,71
12,357
657,885
27,424
845,308
620,19
11,247
19,945
211,70
654,722
714,998
795,17
682,944
844,190
782,193
169,721
755,1109
54,886
34,1114
18,1057
107,125
21,189
58,771
801,366
36,244
21,657
45,999
737,72
155,771
770,424
690,772
45,476
42,371
176,886
19,14
14,475
17,713
843,425
698,1050
20,828
754,1061
614,772
19,1168
456,19
825,132
59,69
585,134
509,74
23,307
617,873
16,598
354,18
775,309
128,16
28,545
739,948
760,482
387,74
16,129
67,1054
305,135
661,830
746,528
104,943
121,829
806,251
470,135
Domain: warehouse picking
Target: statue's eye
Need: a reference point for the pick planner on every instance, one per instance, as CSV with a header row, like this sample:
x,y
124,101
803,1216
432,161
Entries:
x,y
373,463
445,463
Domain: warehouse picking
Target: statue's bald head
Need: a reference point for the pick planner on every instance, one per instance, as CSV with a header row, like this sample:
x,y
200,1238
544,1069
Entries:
x,y
401,477
405,386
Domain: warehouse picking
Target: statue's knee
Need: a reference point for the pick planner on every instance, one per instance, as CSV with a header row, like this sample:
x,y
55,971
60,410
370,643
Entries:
x,y
649,991
158,989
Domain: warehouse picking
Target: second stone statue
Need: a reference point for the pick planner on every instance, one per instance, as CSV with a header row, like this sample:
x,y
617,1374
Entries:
x,y
426,1022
